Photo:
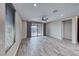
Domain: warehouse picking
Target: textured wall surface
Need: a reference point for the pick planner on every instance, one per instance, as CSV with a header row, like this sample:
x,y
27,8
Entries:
x,y
2,28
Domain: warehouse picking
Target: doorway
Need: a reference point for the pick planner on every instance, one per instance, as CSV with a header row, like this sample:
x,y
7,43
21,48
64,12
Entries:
x,y
67,29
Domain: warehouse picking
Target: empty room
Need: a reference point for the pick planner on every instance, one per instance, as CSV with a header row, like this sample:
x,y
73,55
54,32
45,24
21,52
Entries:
x,y
39,29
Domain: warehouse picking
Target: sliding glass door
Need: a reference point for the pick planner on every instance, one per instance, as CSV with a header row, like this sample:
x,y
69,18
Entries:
x,y
36,29
40,29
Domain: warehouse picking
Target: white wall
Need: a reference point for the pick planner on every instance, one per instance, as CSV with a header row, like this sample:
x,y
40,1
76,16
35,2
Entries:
x,y
67,29
24,29
74,30
18,24
53,29
2,28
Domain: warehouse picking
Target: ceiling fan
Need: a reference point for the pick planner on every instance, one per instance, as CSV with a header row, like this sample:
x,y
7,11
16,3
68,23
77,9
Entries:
x,y
44,18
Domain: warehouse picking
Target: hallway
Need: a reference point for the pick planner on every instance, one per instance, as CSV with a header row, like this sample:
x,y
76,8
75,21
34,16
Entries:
x,y
47,46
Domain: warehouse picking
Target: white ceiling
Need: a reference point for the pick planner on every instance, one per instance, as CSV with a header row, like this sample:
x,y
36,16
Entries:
x,y
31,13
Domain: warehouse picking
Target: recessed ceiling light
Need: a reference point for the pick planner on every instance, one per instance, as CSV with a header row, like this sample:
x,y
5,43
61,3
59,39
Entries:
x,y
35,5
61,15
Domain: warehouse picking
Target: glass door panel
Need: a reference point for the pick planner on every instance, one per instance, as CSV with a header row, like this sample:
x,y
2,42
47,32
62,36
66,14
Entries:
x,y
39,29
34,30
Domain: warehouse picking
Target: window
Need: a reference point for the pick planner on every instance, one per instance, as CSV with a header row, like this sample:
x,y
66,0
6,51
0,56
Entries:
x,y
9,26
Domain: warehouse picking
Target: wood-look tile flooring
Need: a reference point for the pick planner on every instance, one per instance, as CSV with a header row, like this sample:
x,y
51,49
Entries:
x,y
47,46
